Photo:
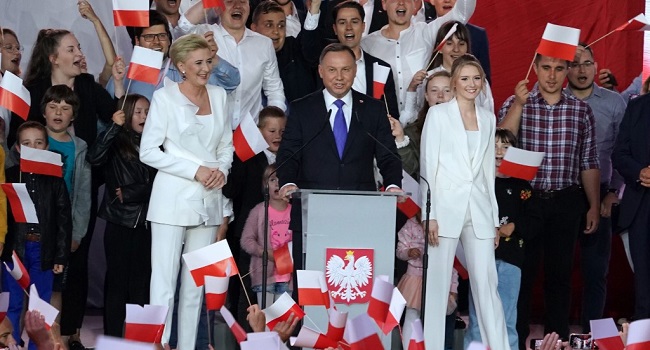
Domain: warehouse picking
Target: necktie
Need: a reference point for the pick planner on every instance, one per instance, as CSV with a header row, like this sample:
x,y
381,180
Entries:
x,y
340,128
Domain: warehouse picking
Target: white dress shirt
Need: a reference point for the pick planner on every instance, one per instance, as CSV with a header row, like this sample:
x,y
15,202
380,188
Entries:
x,y
410,52
347,107
369,9
293,22
359,83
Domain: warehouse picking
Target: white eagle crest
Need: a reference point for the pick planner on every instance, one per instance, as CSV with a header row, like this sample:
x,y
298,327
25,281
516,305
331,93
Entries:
x,y
348,278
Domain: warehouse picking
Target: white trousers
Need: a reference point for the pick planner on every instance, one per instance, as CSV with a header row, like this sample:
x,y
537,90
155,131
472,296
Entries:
x,y
483,279
166,250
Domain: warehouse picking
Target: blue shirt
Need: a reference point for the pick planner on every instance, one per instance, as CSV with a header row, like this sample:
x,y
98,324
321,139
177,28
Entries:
x,y
67,152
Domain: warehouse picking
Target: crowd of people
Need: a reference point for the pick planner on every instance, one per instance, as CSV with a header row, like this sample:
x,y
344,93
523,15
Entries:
x,y
305,74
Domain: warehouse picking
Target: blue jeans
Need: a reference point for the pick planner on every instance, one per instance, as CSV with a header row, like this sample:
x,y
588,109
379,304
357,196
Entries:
x,y
509,283
41,279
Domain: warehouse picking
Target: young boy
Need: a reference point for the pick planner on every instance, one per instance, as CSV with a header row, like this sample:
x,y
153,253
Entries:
x,y
44,247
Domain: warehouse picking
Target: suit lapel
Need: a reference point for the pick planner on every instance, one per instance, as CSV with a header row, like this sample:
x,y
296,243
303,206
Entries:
x,y
369,74
323,118
484,130
457,124
357,113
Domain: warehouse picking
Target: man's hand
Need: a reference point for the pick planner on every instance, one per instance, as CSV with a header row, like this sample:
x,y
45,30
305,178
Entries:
x,y
506,230
417,79
57,269
521,92
286,190
256,318
604,78
285,328
607,203
644,176
593,217
433,233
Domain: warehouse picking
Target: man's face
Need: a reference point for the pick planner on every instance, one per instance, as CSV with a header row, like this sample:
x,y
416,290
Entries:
x,y
582,72
443,6
399,11
154,38
349,27
273,26
168,7
551,73
338,70
235,15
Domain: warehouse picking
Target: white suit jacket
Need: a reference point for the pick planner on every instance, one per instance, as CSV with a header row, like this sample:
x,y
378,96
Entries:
x,y
457,182
177,198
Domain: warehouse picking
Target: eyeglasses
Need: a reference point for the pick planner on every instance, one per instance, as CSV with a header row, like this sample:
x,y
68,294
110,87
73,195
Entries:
x,y
585,65
150,37
12,48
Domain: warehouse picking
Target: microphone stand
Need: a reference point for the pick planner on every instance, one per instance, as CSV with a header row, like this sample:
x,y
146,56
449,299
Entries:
x,y
425,253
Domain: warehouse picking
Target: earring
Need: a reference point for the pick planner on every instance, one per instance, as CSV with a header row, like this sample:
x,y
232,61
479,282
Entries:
x,y
183,74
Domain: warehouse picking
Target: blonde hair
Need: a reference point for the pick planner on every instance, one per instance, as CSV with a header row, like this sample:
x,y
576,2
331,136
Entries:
x,y
182,47
460,63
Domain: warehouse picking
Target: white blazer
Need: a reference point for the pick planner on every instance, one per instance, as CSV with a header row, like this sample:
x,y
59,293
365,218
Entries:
x,y
457,182
177,198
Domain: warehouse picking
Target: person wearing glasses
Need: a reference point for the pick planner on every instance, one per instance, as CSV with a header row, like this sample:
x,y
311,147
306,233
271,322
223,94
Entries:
x,y
157,37
12,53
608,107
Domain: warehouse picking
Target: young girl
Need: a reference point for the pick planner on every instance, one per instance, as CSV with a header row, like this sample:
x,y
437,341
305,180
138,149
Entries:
x,y
127,240
252,240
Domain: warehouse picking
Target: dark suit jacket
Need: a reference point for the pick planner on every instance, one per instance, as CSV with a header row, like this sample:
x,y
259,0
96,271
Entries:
x,y
297,62
379,19
631,154
389,89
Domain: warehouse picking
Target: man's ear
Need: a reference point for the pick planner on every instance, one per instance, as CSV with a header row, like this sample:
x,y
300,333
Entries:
x,y
254,27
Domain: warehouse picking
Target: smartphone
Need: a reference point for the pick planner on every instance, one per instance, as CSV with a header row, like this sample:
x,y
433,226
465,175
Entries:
x,y
580,341
612,79
536,344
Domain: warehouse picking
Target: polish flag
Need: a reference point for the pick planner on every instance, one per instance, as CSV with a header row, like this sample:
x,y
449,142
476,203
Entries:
x,y
19,272
40,161
145,324
145,65
309,338
382,292
237,330
606,335
111,343
247,139
416,342
281,310
283,259
312,288
263,340
22,206
4,305
336,324
477,346
132,13
640,23
216,289
520,163
638,337
410,207
213,260
214,3
447,36
379,78
559,42
361,334
14,96
395,311
48,311
460,262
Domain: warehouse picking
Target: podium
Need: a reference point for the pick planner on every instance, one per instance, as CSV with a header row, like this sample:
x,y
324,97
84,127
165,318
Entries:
x,y
347,220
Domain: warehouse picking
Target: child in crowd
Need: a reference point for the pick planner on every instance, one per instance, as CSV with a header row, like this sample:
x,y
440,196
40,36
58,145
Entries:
x,y
252,240
127,240
518,223
44,247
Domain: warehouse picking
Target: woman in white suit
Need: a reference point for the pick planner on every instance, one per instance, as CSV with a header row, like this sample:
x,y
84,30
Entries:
x,y
189,121
457,158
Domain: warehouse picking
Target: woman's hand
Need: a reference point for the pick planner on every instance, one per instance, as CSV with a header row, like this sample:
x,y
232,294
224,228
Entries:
x,y
118,70
210,178
418,78
86,11
119,117
396,129
57,269
433,233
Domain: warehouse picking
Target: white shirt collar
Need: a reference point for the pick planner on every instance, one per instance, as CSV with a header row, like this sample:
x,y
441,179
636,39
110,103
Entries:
x,y
329,99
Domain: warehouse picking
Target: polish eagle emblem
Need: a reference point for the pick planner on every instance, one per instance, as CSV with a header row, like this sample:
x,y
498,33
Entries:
x,y
349,278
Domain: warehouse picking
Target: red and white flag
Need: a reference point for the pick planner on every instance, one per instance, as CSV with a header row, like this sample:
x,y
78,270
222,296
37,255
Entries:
x,y
247,139
451,32
132,13
559,42
336,324
145,65
410,206
606,335
48,311
382,292
520,163
237,330
395,311
361,334
416,342
263,340
216,289
638,337
640,23
145,324
283,259
214,3
22,206
19,272
4,305
281,310
111,343
312,288
379,78
460,262
309,338
213,260
477,346
40,161
14,96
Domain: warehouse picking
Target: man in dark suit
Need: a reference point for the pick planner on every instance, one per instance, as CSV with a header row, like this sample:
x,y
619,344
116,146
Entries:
x,y
378,17
631,158
349,26
332,137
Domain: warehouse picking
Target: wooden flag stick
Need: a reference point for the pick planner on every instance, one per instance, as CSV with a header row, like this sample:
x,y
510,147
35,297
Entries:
x,y
601,38
207,315
386,103
531,66
431,62
245,291
205,15
126,93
